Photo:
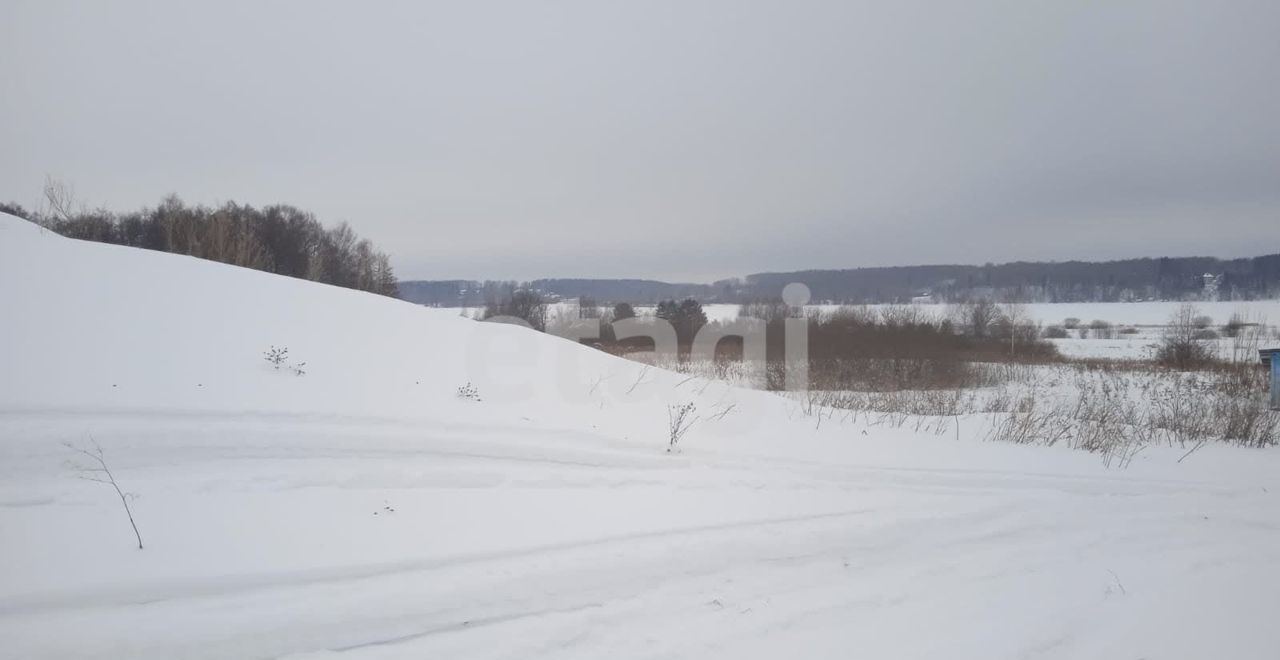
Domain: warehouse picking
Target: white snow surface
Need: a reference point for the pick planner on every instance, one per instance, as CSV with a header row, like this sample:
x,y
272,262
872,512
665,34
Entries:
x,y
547,520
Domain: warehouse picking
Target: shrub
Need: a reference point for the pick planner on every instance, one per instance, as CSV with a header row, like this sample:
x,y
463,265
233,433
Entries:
x,y
522,304
16,209
622,311
1055,332
679,419
852,349
976,318
468,392
1234,326
276,356
1071,323
1102,329
765,310
1182,347
902,316
588,308
685,316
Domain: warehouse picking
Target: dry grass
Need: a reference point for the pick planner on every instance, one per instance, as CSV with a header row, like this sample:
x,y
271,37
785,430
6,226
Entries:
x,y
1115,413
903,371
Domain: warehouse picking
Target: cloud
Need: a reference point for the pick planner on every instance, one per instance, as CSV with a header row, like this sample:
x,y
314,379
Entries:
x,y
670,140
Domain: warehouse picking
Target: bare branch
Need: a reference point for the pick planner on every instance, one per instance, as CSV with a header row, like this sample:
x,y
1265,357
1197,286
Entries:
x,y
639,378
89,474
680,419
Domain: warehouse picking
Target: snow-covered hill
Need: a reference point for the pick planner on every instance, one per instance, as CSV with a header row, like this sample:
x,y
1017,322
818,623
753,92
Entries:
x,y
363,510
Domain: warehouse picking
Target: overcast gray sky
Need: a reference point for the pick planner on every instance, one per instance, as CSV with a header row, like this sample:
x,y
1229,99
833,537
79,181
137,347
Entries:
x,y
675,140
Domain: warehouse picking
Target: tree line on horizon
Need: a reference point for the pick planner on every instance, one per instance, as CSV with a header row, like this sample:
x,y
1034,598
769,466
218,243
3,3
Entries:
x,y
279,238
1125,280
286,240
1128,280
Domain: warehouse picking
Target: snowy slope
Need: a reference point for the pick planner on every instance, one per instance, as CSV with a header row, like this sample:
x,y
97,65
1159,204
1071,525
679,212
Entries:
x,y
546,520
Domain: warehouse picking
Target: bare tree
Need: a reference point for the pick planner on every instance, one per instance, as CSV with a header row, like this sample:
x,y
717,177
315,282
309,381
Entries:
x,y
60,198
523,304
1183,347
1247,335
1017,316
97,470
976,318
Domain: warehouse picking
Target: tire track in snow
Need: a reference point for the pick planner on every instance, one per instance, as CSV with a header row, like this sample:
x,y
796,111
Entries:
x,y
70,600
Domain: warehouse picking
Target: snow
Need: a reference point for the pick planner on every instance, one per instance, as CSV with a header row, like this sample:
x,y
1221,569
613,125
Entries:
x,y
1126,347
363,510
1155,313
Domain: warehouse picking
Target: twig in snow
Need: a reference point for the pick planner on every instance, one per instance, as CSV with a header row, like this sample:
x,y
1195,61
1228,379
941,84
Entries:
x,y
680,418
1192,450
639,378
99,472
724,411
1118,583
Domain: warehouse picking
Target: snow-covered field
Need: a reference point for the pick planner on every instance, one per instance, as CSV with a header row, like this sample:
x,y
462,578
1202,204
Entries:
x,y
1129,347
363,510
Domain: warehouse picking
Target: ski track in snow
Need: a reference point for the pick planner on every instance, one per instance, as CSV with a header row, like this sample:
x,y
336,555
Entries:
x,y
863,549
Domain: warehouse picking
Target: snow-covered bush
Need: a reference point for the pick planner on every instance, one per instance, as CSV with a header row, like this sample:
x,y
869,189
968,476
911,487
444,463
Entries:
x,y
468,392
277,356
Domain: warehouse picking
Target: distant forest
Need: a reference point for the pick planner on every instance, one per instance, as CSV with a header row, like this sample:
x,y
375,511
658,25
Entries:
x,y
1164,278
277,239
289,241
468,293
